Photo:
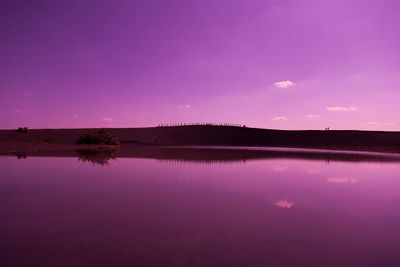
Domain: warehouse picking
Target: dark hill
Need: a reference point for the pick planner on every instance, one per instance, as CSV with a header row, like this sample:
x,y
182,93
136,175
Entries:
x,y
223,136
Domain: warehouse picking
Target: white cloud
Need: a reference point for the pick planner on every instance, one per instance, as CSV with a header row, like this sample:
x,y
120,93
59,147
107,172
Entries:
x,y
313,116
279,118
108,119
338,108
370,124
284,204
185,106
19,110
376,124
284,84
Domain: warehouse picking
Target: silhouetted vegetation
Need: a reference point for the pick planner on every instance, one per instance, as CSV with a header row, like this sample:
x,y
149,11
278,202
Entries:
x,y
98,137
22,130
97,157
200,124
21,155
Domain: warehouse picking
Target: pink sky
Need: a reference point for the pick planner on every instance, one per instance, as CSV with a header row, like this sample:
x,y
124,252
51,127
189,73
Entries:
x,y
285,64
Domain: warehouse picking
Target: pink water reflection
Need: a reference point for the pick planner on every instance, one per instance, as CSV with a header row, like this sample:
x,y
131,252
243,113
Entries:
x,y
145,212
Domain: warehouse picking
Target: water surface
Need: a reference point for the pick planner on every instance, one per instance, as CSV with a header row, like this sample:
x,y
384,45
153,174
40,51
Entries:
x,y
65,211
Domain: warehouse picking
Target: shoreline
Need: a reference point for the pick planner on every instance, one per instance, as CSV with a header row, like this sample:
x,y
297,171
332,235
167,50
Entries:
x,y
101,155
48,140
32,147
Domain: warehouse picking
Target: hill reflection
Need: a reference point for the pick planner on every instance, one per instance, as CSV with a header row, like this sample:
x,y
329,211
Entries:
x,y
212,155
218,155
202,161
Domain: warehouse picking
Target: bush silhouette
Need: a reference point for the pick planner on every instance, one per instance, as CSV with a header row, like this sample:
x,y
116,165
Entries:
x,y
22,130
98,137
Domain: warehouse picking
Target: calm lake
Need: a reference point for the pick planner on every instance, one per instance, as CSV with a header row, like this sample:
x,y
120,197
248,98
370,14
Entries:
x,y
173,211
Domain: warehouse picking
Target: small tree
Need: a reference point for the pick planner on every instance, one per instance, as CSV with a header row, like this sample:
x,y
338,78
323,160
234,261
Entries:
x,y
98,137
22,130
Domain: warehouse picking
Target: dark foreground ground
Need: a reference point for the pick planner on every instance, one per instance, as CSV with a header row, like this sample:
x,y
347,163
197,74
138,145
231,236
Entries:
x,y
64,139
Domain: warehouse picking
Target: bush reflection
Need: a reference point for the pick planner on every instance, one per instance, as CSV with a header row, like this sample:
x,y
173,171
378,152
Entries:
x,y
97,157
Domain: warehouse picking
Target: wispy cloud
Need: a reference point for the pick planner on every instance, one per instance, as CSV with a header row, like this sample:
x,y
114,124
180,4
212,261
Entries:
x,y
19,110
26,94
338,108
185,106
313,116
279,118
284,204
284,84
108,119
75,116
372,124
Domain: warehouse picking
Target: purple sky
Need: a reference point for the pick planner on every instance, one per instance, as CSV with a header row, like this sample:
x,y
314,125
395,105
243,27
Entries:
x,y
287,64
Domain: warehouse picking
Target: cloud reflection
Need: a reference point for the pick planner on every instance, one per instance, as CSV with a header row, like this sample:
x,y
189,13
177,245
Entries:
x,y
279,168
313,172
339,180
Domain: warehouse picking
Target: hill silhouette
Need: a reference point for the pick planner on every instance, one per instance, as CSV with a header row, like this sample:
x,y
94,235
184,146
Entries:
x,y
210,135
